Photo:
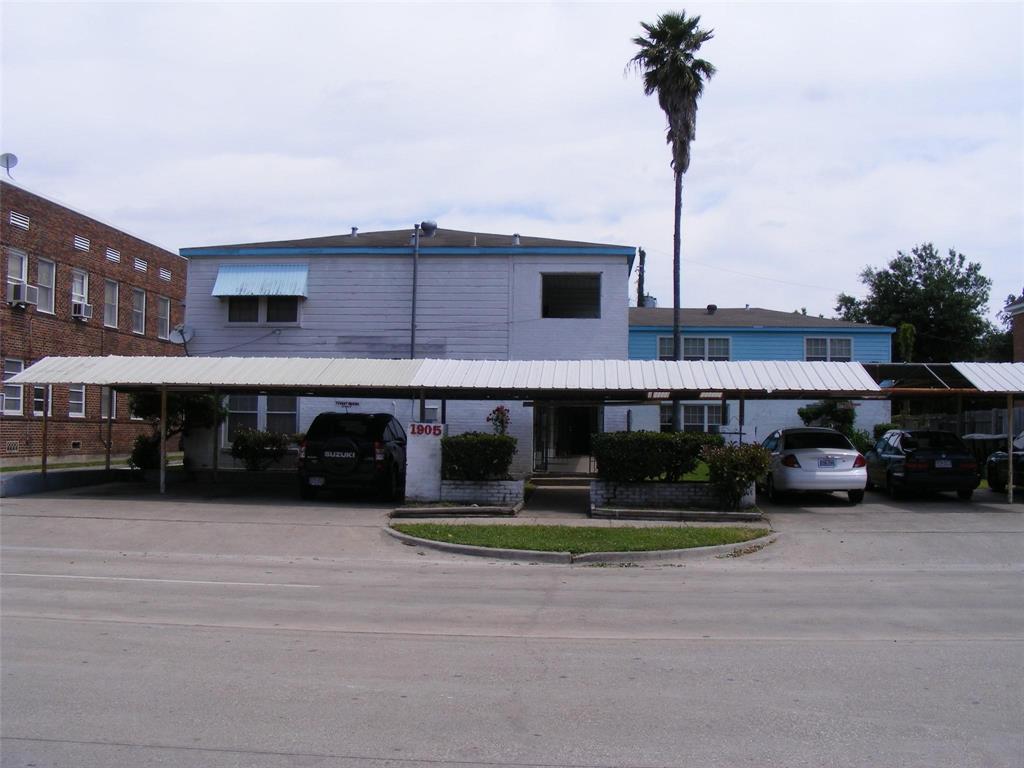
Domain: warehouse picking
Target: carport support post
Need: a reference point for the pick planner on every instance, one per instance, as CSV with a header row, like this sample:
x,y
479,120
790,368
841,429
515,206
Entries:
x,y
1009,448
216,437
110,423
46,408
163,439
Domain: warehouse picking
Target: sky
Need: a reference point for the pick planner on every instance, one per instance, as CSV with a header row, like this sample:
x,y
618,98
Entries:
x,y
832,136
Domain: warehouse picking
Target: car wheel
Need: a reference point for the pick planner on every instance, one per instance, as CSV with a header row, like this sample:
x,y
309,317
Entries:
x,y
856,497
891,489
773,493
869,485
995,483
306,491
965,494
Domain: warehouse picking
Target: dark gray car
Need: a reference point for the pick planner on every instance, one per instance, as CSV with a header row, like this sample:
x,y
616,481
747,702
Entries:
x,y
922,460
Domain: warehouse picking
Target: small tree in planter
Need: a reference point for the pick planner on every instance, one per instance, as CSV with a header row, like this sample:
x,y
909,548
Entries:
x,y
258,448
733,468
499,419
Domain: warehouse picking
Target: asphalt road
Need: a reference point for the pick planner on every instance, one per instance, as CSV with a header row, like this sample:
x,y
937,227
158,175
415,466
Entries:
x,y
187,632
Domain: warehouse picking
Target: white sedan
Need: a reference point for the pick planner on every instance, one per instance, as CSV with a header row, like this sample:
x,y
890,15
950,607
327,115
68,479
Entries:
x,y
814,459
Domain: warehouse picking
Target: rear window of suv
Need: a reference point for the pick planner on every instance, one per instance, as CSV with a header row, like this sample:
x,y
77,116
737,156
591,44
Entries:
x,y
799,440
325,426
939,441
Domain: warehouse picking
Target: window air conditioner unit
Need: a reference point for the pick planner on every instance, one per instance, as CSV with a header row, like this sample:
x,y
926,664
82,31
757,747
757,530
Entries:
x,y
81,311
22,294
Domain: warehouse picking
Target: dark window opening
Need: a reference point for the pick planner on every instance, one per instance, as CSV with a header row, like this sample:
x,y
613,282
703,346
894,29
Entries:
x,y
282,309
243,309
577,296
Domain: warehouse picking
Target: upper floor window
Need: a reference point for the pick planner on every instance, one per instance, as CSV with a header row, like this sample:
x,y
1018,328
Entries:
x,y
17,266
79,287
571,295
828,349
665,348
12,397
263,309
110,303
163,317
46,274
138,310
705,348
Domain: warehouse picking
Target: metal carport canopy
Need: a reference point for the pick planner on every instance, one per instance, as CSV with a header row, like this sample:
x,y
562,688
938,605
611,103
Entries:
x,y
593,380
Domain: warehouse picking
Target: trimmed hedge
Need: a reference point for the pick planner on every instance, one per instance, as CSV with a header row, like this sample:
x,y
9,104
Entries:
x,y
734,467
633,457
477,456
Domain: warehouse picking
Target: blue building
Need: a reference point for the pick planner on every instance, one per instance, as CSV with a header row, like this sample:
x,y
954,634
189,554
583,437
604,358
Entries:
x,y
752,333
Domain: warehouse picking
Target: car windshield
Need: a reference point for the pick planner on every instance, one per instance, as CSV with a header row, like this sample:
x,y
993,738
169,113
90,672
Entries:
x,y
798,440
355,426
936,441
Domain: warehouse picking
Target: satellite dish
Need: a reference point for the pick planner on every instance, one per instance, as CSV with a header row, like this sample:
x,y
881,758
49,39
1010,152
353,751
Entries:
x,y
8,160
181,334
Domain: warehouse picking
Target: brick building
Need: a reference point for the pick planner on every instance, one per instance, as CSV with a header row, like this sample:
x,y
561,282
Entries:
x,y
76,286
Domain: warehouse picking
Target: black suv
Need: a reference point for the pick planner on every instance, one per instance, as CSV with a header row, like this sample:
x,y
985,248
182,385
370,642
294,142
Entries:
x,y
922,460
353,450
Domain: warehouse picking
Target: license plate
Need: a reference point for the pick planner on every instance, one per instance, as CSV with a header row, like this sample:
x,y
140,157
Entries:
x,y
827,463
943,464
316,481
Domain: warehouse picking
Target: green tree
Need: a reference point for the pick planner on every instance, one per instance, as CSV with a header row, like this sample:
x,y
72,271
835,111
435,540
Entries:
x,y
185,410
667,61
943,297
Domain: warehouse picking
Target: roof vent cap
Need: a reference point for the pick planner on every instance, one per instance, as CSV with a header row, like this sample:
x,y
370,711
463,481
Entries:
x,y
354,230
515,238
712,308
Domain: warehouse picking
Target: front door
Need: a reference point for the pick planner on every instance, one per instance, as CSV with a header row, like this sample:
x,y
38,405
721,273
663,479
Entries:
x,y
573,427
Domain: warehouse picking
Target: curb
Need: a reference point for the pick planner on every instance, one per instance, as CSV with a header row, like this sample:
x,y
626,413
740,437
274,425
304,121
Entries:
x,y
589,558
675,515
453,511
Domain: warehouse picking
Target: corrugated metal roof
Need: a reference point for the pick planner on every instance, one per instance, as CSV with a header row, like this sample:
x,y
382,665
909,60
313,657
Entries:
x,y
994,377
740,317
531,378
261,280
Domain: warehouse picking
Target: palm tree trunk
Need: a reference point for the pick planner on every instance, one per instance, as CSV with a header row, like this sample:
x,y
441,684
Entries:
x,y
677,341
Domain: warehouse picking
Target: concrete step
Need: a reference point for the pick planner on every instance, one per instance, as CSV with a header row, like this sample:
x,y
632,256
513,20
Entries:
x,y
561,480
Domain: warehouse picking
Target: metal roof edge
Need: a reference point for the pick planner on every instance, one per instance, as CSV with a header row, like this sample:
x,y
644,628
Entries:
x,y
215,251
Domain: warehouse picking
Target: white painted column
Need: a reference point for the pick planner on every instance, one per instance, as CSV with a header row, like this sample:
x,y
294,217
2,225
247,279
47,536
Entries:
x,y
423,461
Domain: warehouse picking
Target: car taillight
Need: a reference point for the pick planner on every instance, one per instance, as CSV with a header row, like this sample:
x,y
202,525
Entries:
x,y
789,460
973,465
916,465
378,451
859,461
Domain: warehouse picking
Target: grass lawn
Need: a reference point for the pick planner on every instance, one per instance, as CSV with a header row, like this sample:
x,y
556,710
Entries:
x,y
700,474
578,540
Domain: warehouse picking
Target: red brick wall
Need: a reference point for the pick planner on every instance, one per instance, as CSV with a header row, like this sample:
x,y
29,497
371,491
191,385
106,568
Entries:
x,y
29,334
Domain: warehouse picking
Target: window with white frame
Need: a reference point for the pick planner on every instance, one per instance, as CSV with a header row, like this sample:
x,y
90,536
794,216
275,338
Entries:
x,y
46,280
138,310
13,404
274,413
705,348
697,417
271,310
820,349
79,286
108,403
110,303
17,266
163,317
76,401
665,348
42,400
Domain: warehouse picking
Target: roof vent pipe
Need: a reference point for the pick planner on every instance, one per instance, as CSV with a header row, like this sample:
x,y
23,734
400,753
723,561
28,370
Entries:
x,y
712,308
354,230
515,238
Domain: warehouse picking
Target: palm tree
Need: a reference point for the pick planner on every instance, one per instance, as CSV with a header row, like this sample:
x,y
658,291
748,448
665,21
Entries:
x,y
667,60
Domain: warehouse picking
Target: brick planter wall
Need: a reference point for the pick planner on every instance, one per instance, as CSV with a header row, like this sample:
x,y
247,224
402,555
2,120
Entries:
x,y
496,493
604,493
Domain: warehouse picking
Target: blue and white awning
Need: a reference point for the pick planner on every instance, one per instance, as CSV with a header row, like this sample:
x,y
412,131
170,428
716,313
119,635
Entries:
x,y
261,280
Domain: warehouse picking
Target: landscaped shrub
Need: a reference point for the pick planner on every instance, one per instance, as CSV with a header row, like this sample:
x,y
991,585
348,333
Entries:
x,y
145,452
734,467
861,440
477,456
633,457
258,448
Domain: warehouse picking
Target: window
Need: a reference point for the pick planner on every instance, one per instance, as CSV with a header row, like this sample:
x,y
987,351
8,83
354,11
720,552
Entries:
x,y
665,348
12,392
163,317
244,309
105,394
696,418
243,413
138,310
569,295
17,266
42,400
76,401
823,349
282,309
281,414
705,348
110,303
79,286
46,272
